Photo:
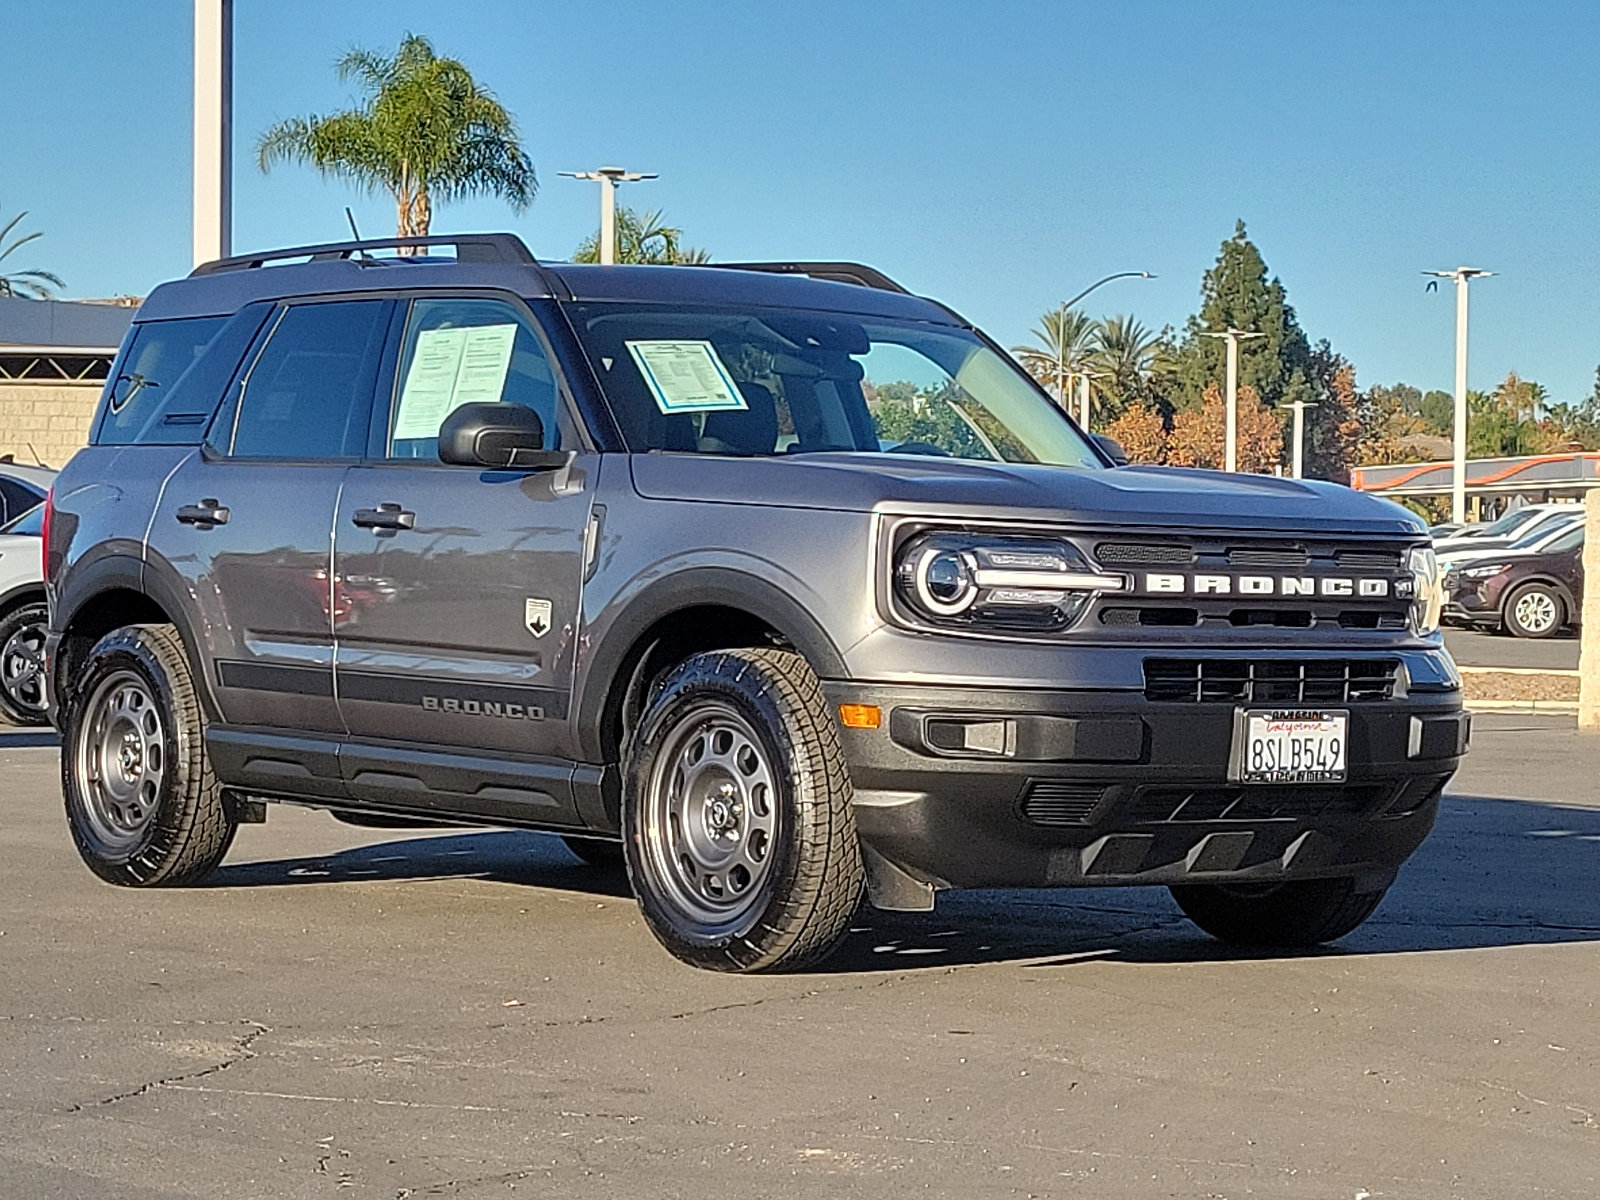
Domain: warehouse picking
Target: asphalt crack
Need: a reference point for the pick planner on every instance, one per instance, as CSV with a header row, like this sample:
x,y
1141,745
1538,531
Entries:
x,y
243,1051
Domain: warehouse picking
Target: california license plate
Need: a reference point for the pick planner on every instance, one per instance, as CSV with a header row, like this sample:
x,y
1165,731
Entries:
x,y
1290,746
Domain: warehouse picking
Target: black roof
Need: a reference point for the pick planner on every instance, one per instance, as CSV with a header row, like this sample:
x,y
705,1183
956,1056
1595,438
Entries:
x,y
501,261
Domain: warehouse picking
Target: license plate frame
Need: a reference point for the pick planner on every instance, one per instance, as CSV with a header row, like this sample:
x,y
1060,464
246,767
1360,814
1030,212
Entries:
x,y
1328,721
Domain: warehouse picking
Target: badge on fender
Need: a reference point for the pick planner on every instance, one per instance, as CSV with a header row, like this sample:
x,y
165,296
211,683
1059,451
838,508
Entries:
x,y
536,616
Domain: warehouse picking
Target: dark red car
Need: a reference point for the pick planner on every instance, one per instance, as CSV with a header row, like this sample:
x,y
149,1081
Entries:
x,y
1526,595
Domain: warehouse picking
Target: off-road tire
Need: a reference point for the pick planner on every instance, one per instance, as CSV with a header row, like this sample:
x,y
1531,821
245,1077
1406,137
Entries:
x,y
191,826
596,852
1302,913
35,615
1514,624
803,900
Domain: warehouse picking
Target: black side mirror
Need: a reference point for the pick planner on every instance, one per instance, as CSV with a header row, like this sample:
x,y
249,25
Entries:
x,y
1111,448
497,436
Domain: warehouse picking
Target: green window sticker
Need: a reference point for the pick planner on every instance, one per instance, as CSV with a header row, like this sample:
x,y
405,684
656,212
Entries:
x,y
686,377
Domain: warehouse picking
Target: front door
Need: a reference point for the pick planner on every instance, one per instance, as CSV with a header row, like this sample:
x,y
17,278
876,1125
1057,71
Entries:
x,y
244,525
458,588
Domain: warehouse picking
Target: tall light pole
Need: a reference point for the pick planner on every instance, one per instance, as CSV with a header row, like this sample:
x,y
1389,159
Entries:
x,y
1061,344
608,178
1300,407
1458,475
1230,451
213,130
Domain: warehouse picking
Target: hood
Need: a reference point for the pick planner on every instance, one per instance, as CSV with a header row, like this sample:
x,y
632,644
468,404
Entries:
x,y
1153,497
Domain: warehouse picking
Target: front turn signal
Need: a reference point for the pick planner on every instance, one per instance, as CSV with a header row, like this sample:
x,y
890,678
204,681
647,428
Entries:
x,y
860,716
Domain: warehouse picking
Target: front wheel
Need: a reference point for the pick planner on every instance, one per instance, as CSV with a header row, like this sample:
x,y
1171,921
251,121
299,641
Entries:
x,y
1303,913
737,820
143,805
22,633
1534,611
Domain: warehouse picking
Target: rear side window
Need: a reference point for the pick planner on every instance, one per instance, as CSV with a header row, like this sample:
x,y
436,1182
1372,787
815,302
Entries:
x,y
309,393
30,523
16,499
160,354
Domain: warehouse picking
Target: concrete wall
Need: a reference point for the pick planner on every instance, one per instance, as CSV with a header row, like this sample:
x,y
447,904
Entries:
x,y
45,419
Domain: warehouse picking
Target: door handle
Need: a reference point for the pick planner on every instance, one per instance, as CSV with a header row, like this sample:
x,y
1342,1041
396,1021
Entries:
x,y
205,514
385,516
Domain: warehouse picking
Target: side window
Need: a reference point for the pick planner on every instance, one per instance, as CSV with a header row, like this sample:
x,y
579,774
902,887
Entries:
x,y
15,500
309,392
158,356
465,351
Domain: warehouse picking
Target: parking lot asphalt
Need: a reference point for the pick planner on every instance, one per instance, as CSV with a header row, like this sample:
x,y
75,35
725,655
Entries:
x,y
347,1013
1473,648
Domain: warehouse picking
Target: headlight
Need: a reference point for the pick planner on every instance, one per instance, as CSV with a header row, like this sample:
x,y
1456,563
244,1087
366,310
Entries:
x,y
1485,571
976,581
1427,603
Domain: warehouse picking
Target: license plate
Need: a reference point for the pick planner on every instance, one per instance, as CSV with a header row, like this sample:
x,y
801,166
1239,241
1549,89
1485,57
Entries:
x,y
1290,746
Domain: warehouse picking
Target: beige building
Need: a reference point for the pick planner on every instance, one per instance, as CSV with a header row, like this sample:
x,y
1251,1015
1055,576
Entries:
x,y
54,358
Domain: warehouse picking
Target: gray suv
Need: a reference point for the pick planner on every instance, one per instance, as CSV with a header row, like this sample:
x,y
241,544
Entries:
x,y
774,581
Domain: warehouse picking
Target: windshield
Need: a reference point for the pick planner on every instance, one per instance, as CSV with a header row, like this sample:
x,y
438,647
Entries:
x,y
1509,523
30,522
1545,530
786,381
1570,540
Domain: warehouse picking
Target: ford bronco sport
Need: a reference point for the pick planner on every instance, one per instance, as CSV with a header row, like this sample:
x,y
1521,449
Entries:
x,y
775,580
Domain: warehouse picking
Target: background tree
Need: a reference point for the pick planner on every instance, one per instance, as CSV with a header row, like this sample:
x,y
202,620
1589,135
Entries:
x,y
1063,339
1141,433
1333,428
642,238
1125,361
32,284
426,132
1199,434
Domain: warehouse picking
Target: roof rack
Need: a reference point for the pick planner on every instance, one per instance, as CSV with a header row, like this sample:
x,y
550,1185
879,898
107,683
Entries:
x,y
836,272
505,248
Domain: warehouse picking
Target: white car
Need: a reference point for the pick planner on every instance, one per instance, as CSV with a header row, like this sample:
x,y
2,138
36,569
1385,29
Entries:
x,y
23,621
1512,527
1537,537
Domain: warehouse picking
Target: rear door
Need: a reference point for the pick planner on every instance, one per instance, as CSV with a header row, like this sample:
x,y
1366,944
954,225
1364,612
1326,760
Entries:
x,y
244,526
457,625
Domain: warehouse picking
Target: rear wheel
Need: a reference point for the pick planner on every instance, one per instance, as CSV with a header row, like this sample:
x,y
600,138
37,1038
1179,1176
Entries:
x,y
738,827
1535,611
1303,913
142,802
22,633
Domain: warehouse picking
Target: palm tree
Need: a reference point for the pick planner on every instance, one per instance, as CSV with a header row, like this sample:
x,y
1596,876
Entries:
x,y
1125,355
24,285
425,132
1061,347
642,238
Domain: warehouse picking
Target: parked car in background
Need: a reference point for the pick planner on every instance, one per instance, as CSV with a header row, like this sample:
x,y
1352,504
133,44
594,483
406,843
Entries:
x,y
23,620
1445,529
1530,594
1538,537
21,488
1506,530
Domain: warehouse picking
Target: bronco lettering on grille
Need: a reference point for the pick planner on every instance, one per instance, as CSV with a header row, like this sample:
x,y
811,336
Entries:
x,y
1170,584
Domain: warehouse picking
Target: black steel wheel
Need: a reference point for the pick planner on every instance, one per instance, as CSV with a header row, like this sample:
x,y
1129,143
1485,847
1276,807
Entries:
x,y
1302,913
738,828
142,802
22,634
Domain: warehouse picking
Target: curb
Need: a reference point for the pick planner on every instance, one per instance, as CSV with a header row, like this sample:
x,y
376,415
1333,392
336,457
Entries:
x,y
1557,671
1563,707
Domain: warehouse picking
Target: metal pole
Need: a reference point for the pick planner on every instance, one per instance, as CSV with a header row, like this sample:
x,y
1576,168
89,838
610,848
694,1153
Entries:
x,y
608,221
1299,438
1061,359
213,130
1230,454
1083,401
1458,476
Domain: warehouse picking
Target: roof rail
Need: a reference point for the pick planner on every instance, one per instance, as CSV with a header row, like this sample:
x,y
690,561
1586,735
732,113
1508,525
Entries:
x,y
836,272
505,248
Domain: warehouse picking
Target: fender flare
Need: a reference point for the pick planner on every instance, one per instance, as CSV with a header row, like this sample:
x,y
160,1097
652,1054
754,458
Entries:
x,y
695,587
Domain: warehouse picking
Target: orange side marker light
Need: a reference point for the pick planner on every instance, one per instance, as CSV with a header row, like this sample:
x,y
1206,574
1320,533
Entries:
x,y
860,716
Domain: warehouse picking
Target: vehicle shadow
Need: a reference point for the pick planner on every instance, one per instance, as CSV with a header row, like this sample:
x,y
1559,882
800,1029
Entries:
x,y
1495,873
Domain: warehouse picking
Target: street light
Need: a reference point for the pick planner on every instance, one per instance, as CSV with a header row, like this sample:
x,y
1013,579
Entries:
x,y
608,178
1230,453
212,223
1458,480
1061,346
1299,407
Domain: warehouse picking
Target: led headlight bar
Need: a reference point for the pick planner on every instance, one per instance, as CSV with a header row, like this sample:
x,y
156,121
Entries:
x,y
989,581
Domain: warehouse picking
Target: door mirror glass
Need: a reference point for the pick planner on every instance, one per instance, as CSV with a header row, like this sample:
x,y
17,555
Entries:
x,y
497,436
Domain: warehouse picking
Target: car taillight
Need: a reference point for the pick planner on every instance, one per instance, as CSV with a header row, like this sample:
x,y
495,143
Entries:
x,y
44,535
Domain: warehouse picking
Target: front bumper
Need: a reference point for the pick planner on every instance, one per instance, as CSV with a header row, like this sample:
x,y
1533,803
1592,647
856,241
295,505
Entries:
x,y
1076,788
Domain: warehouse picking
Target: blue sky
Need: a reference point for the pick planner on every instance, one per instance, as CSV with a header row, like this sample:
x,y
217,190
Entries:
x,y
998,156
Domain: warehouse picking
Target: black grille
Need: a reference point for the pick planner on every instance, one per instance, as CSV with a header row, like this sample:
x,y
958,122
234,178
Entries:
x,y
1279,558
1369,560
1275,802
1270,680
1057,802
1127,554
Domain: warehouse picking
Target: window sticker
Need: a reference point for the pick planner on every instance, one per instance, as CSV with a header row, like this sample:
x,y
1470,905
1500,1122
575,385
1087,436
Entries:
x,y
449,368
686,377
